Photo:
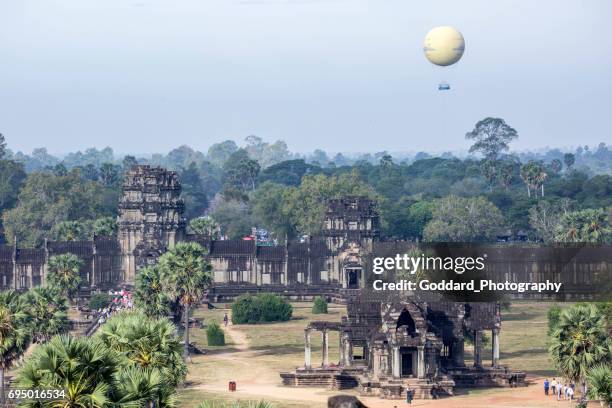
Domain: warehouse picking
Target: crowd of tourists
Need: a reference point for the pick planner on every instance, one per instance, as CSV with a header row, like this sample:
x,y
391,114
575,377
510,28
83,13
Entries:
x,y
121,300
562,390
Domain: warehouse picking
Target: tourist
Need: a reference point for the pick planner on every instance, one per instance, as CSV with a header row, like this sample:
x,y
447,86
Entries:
x,y
225,319
558,392
564,391
409,395
546,386
553,385
570,393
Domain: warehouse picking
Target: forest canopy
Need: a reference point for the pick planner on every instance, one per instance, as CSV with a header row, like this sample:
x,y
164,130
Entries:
x,y
548,196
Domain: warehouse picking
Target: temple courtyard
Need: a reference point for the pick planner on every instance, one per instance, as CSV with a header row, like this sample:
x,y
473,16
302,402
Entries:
x,y
254,355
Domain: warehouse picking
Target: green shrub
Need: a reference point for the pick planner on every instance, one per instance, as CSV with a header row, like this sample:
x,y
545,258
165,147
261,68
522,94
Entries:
x,y
245,310
274,308
264,307
320,306
215,335
99,301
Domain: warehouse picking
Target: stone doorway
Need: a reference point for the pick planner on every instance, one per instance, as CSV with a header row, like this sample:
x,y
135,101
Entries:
x,y
408,365
353,276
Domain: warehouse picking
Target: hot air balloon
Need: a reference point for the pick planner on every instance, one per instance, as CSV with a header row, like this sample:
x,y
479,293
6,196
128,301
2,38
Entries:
x,y
444,46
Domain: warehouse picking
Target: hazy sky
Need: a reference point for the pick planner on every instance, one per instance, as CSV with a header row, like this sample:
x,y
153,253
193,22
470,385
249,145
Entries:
x,y
342,75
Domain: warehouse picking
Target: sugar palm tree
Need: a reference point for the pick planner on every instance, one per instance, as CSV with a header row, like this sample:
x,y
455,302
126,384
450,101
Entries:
x,y
580,342
528,175
137,387
490,172
185,273
105,226
541,178
600,384
569,228
146,343
49,313
69,231
14,332
63,275
590,225
596,226
533,175
205,226
83,367
556,165
149,295
507,170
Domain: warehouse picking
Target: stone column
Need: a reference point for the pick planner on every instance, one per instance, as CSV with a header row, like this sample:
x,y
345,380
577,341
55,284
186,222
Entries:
x,y
94,250
421,361
348,358
376,363
325,348
45,267
286,264
15,277
307,362
457,352
495,357
309,266
341,349
477,348
397,362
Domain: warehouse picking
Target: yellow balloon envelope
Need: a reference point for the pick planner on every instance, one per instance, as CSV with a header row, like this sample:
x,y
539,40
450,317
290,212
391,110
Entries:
x,y
444,46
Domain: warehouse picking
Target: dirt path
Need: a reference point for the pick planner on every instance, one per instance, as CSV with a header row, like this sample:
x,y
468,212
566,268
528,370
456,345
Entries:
x,y
525,397
531,396
239,338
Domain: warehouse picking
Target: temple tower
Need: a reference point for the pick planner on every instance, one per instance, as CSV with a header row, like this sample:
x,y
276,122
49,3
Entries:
x,y
351,220
351,226
150,217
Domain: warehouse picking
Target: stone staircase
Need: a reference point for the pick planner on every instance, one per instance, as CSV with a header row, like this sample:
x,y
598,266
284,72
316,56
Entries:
x,y
344,381
471,377
392,388
332,378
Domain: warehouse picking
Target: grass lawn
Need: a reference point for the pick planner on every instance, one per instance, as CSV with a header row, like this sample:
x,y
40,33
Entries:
x,y
272,348
523,339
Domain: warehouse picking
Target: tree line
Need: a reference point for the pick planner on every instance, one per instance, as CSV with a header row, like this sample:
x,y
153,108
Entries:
x,y
546,197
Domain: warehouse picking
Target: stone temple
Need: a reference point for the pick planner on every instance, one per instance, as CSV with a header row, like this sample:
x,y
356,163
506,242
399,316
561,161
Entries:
x,y
389,348
386,347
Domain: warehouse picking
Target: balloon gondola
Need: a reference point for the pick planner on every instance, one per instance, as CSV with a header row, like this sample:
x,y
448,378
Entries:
x,y
443,86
